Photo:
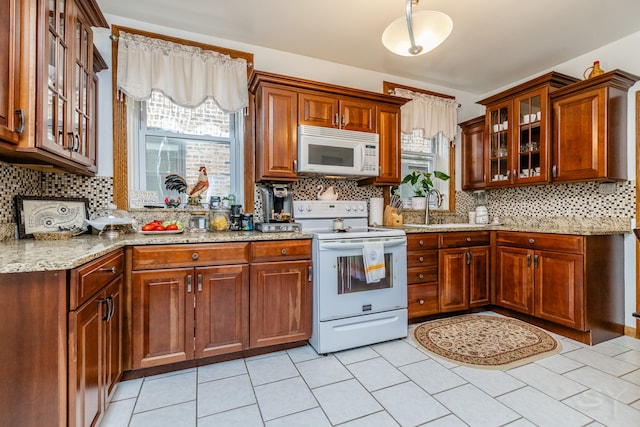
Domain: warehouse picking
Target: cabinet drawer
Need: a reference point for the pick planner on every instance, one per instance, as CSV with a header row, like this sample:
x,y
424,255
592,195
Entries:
x,y
464,238
280,250
422,274
190,255
549,242
417,242
422,300
422,258
85,281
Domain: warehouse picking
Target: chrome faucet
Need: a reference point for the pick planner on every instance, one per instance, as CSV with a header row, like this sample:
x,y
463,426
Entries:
x,y
439,198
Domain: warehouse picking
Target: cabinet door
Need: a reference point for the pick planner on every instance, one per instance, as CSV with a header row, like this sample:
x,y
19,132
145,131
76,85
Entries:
x,y
358,115
514,279
389,153
162,316
9,70
113,338
85,345
454,279
499,164
479,276
222,309
276,134
579,145
82,148
531,137
280,303
318,110
559,288
473,153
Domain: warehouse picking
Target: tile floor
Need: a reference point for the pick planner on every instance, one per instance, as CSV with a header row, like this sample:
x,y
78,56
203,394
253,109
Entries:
x,y
390,384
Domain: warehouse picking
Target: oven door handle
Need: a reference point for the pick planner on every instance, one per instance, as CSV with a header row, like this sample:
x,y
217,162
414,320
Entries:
x,y
357,244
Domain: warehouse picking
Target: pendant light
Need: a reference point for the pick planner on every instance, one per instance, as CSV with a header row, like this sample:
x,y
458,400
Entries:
x,y
417,33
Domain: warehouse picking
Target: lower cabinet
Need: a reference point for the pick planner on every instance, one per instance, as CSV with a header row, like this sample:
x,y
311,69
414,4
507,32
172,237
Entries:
x,y
194,301
463,270
95,338
422,274
573,281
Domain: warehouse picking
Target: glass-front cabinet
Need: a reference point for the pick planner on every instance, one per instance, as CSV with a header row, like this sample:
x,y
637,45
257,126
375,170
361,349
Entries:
x,y
517,122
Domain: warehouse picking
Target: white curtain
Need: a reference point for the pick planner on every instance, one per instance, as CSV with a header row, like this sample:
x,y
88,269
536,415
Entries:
x,y
187,75
432,114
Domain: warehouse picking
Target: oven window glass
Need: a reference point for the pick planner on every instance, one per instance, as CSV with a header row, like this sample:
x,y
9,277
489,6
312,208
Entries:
x,y
351,277
330,155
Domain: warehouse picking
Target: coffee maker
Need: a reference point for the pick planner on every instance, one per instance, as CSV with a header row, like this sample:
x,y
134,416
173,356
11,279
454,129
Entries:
x,y
277,208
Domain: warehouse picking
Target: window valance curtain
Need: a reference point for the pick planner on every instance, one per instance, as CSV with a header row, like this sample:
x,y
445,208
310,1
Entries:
x,y
432,114
187,75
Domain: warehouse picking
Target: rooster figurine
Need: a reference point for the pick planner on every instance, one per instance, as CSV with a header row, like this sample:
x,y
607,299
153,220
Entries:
x,y
194,191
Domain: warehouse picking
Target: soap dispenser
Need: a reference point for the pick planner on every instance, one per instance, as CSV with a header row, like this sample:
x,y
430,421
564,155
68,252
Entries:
x,y
482,214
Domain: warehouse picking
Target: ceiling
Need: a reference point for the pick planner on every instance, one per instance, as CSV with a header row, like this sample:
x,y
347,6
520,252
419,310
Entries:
x,y
493,43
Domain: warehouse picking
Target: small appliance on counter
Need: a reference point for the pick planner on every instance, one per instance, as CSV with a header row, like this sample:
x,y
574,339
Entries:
x,y
277,208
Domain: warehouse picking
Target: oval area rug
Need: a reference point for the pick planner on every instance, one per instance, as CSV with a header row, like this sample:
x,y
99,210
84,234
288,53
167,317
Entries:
x,y
485,341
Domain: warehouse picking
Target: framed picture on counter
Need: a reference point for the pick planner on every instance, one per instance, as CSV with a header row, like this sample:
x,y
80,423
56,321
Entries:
x,y
37,214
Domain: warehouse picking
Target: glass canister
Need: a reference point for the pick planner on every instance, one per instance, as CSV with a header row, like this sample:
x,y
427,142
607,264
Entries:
x,y
219,219
198,221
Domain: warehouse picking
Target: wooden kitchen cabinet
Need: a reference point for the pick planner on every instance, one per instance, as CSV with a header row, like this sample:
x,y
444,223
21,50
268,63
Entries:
x,y
282,103
336,112
193,304
280,292
11,113
590,128
573,281
422,274
463,270
473,153
518,132
56,96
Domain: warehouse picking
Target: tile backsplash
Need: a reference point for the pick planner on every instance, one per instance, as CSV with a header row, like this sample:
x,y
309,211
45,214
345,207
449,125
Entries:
x,y
584,200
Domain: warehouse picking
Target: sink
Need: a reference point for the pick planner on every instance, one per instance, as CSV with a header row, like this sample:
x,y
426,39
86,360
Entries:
x,y
436,226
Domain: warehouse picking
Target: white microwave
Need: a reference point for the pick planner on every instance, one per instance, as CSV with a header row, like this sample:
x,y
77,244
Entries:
x,y
337,152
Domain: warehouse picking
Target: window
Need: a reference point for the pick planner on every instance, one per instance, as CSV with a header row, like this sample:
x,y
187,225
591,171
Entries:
x,y
425,155
173,139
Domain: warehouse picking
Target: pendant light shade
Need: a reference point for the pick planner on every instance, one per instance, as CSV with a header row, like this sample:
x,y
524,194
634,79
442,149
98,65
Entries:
x,y
417,33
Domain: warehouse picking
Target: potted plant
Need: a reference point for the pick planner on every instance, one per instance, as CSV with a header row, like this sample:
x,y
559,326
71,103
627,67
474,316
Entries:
x,y
421,183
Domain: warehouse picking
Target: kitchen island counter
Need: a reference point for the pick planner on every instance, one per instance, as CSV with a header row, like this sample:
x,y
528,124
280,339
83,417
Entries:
x,y
27,255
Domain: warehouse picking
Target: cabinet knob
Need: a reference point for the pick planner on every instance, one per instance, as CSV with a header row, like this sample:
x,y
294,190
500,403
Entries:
x,y
421,242
532,241
421,259
420,276
195,256
283,251
421,301
468,239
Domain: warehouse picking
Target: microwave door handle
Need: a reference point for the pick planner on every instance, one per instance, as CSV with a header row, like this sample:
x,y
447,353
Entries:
x,y
362,158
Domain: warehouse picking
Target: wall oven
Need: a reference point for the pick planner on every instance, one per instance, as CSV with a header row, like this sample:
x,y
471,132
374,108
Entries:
x,y
348,310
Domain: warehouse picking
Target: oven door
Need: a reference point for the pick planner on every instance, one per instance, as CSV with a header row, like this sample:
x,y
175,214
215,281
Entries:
x,y
340,283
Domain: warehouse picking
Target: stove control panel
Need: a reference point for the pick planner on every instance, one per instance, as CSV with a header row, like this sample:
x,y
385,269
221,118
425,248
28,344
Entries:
x,y
329,209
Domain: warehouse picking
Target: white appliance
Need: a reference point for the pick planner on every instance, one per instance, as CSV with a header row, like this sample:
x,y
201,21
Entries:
x,y
348,312
337,152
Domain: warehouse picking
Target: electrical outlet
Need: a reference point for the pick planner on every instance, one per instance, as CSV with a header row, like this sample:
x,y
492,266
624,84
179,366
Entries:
x,y
607,188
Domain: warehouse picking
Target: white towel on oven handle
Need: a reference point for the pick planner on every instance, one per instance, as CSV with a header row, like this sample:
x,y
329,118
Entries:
x,y
373,259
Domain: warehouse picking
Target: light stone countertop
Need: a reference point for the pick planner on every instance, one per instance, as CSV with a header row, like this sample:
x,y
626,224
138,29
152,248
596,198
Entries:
x,y
37,255
41,255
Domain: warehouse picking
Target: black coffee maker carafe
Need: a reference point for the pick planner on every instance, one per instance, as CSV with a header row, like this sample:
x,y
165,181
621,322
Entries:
x,y
276,203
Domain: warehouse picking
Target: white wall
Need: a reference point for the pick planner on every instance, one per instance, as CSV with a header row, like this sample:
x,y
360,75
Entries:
x,y
621,54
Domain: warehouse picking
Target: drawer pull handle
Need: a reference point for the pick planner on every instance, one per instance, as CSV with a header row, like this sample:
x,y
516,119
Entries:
x,y
420,276
283,251
532,241
189,280
421,301
468,239
199,282
195,256
535,261
421,259
111,270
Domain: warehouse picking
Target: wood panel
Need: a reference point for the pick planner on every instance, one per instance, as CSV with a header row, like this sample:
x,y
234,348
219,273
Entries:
x,y
474,144
280,250
453,279
189,255
553,242
463,238
85,281
390,148
317,110
422,299
514,279
358,115
479,281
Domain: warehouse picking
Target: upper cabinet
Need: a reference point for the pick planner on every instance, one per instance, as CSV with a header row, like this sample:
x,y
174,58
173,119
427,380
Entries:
x,y
518,132
282,103
590,128
56,103
11,117
473,153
